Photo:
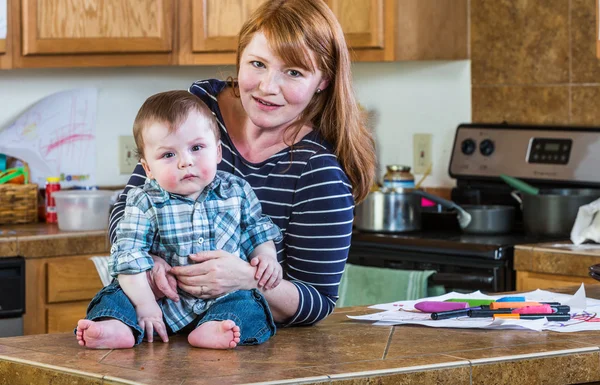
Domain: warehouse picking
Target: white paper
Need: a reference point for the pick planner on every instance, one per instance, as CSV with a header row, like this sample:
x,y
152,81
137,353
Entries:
x,y
56,137
583,313
3,18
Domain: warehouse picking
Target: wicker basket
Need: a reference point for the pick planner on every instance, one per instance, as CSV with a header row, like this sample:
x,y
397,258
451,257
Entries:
x,y
18,203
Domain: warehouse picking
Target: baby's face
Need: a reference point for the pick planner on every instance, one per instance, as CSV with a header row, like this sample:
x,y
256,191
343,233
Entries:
x,y
185,161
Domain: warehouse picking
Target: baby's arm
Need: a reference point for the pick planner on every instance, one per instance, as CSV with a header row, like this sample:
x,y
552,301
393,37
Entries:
x,y
268,272
148,312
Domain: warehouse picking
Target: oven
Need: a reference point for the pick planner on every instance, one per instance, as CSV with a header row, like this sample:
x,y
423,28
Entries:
x,y
12,296
480,154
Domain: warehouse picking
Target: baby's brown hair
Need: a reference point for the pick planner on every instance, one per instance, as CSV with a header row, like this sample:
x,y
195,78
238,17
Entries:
x,y
170,108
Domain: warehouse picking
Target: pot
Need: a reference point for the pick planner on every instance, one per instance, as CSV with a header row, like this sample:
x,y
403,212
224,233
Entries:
x,y
399,210
552,212
395,211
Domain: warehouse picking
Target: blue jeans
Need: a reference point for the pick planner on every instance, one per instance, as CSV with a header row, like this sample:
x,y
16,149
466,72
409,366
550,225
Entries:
x,y
247,308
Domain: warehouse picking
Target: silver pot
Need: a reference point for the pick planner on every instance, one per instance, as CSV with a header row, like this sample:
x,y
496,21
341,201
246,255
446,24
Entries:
x,y
399,210
552,212
395,211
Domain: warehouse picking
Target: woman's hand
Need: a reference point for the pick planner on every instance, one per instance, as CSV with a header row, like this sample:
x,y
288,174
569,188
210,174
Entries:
x,y
162,281
215,273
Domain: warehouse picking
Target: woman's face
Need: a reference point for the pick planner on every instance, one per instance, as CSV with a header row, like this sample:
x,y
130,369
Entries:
x,y
272,92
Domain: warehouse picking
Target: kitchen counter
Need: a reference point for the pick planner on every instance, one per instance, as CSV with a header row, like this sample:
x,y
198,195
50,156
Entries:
x,y
336,351
554,264
38,240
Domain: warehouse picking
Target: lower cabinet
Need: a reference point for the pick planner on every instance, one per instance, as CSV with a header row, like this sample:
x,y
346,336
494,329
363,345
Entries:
x,y
57,292
529,281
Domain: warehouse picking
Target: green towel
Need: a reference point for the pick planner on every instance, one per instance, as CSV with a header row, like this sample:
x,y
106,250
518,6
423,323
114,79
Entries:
x,y
364,285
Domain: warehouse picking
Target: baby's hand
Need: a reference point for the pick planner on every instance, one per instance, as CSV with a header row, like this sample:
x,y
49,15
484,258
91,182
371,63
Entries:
x,y
150,320
268,271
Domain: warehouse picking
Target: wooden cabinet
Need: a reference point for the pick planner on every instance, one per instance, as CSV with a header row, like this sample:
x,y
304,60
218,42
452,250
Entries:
x,y
58,291
6,38
74,33
529,281
71,33
208,29
544,266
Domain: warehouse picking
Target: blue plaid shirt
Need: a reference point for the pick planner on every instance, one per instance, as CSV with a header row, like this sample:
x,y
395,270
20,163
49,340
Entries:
x,y
226,216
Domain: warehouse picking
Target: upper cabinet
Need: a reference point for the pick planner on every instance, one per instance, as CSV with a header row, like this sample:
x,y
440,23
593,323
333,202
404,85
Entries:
x,y
5,37
208,29
363,23
94,33
77,33
399,30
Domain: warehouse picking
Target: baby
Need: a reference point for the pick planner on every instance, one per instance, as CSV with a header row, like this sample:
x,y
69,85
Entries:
x,y
186,206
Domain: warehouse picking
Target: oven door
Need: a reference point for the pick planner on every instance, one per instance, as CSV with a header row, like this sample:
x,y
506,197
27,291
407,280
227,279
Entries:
x,y
454,272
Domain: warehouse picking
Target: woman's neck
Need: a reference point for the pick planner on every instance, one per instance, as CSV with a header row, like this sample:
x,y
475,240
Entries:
x,y
254,144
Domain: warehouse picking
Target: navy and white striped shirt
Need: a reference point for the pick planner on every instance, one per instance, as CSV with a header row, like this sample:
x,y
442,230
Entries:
x,y
306,193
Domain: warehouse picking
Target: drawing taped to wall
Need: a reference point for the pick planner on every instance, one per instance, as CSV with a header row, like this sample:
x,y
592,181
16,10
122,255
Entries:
x,y
56,137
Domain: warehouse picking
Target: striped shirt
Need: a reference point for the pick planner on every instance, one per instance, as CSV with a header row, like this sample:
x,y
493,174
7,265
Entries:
x,y
306,193
226,216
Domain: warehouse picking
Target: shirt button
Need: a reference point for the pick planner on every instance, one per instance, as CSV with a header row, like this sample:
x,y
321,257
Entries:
x,y
200,240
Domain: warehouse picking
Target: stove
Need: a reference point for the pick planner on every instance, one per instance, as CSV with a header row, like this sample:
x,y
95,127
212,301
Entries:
x,y
544,156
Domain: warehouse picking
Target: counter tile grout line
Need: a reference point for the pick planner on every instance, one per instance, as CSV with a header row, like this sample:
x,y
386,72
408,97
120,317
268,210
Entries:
x,y
389,341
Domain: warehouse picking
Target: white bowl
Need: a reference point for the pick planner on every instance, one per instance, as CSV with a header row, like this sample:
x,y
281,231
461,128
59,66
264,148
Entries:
x,y
82,210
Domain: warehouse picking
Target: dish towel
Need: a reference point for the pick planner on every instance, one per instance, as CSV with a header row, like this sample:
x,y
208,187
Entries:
x,y
365,285
101,263
587,224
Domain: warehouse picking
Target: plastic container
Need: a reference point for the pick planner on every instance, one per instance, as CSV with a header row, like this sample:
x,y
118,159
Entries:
x,y
82,210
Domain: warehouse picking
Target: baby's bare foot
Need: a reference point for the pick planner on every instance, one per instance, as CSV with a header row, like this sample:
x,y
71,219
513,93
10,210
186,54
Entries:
x,y
215,335
109,334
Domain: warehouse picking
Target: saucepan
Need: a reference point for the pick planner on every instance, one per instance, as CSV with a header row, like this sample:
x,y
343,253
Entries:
x,y
399,210
549,212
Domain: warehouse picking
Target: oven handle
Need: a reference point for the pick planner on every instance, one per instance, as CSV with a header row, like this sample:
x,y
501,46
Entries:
x,y
461,279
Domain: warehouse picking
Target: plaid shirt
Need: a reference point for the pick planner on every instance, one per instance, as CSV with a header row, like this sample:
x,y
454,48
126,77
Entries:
x,y
226,216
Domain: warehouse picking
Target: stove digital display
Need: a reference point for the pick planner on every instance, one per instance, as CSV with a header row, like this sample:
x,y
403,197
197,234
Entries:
x,y
549,150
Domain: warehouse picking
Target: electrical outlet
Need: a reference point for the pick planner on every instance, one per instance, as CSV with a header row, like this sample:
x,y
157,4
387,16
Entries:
x,y
421,153
127,154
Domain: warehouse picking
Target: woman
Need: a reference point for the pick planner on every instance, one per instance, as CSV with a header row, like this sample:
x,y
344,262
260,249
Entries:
x,y
291,127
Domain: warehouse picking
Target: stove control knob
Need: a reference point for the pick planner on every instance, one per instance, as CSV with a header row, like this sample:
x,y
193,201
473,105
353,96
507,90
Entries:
x,y
467,146
486,147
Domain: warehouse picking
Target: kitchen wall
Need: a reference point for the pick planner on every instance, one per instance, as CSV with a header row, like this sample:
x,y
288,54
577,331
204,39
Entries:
x,y
405,98
535,61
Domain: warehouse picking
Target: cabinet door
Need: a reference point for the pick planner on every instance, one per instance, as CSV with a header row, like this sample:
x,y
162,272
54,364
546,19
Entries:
x,y
5,35
216,23
362,22
101,26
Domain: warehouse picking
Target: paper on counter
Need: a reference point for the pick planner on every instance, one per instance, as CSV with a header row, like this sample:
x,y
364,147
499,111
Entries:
x,y
56,136
583,311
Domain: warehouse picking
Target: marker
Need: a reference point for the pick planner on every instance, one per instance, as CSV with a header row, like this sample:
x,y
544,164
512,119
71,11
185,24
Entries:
x,y
472,302
449,314
511,299
487,313
512,305
439,306
550,317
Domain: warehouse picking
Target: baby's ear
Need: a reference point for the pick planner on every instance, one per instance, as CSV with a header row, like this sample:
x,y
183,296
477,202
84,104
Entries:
x,y
146,168
219,152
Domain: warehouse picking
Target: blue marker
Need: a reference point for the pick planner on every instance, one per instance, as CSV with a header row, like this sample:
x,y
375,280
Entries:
x,y
511,299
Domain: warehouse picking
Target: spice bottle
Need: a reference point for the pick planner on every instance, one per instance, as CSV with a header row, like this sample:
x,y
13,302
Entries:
x,y
398,176
52,185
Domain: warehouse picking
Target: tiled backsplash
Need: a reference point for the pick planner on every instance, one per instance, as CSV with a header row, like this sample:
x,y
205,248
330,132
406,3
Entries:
x,y
535,62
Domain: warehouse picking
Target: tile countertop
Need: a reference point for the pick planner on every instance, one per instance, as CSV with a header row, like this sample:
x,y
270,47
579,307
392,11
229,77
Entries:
x,y
562,258
336,351
38,240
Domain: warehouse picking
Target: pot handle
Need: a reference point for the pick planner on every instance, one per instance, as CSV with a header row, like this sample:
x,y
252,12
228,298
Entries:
x,y
515,194
464,218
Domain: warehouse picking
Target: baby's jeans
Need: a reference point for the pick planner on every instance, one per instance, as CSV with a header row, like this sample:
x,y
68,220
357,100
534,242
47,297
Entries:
x,y
247,308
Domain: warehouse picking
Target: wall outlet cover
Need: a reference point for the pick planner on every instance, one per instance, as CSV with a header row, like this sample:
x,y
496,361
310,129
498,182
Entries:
x,y
421,152
127,154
